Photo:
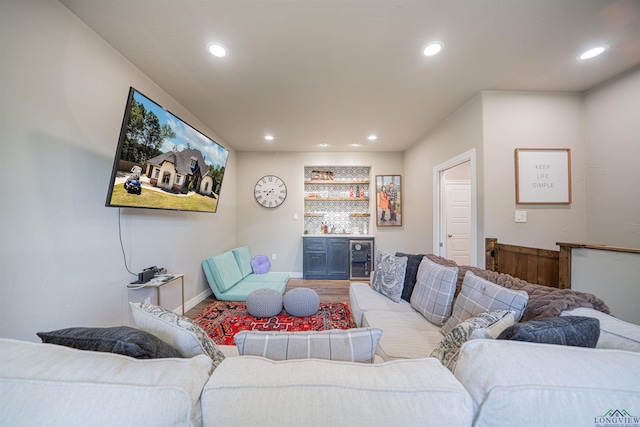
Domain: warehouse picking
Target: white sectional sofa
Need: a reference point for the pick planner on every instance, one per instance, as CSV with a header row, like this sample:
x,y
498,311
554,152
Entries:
x,y
494,382
408,335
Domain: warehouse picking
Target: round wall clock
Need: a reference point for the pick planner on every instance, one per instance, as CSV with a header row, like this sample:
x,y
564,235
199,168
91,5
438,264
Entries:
x,y
270,191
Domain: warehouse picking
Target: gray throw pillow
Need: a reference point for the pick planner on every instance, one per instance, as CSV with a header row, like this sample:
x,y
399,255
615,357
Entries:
x,y
433,293
120,339
388,278
479,295
575,331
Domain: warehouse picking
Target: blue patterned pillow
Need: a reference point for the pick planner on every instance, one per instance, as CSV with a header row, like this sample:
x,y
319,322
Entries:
x,y
388,278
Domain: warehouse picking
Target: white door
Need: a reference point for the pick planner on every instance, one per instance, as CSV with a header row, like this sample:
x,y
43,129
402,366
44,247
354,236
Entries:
x,y
458,221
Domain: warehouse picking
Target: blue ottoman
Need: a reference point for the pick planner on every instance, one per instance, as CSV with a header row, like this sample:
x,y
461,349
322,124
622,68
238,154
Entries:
x,y
301,302
264,302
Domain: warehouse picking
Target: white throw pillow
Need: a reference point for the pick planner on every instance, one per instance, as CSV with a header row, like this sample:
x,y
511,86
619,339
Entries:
x,y
178,331
479,295
388,278
347,345
433,293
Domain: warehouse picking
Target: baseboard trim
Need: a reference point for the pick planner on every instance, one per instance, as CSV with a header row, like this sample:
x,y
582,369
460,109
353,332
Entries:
x,y
188,305
295,275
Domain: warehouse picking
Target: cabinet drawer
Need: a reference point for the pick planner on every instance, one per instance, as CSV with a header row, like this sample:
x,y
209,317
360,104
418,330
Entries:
x,y
315,245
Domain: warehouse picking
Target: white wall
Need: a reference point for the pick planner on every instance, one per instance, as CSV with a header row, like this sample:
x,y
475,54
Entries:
x,y
531,120
612,124
269,231
612,276
63,93
459,133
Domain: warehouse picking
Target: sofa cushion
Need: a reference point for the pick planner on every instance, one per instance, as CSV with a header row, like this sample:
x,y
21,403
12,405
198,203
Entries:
x,y
491,322
254,391
433,293
52,385
274,280
568,330
406,335
178,331
479,295
225,270
119,339
516,383
362,299
350,345
388,278
242,255
410,275
614,333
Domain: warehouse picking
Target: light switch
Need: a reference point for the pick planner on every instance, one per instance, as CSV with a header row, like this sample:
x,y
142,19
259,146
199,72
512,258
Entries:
x,y
295,216
521,216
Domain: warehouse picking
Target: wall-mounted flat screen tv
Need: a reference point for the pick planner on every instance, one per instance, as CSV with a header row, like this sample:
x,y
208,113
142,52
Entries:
x,y
163,163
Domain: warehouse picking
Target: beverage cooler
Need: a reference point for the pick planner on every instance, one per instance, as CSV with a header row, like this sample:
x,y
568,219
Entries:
x,y
361,261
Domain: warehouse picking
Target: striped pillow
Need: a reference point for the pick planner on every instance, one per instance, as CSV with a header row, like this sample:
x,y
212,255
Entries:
x,y
350,345
433,294
479,295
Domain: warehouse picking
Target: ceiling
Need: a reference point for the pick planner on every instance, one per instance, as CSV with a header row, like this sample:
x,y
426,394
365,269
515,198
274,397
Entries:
x,y
335,71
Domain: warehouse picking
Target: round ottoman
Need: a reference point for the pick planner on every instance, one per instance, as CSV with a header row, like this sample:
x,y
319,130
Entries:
x,y
301,302
264,302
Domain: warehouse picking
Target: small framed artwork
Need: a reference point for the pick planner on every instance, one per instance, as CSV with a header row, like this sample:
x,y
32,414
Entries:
x,y
543,175
388,200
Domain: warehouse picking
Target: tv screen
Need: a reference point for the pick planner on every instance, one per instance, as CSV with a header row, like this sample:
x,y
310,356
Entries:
x,y
163,163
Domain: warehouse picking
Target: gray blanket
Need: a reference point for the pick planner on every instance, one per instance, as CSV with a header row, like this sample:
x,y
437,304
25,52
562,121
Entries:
x,y
544,301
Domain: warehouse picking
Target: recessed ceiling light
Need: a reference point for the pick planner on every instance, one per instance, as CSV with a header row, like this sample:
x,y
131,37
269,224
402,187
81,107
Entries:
x,y
592,52
268,137
324,144
356,145
216,49
372,137
432,48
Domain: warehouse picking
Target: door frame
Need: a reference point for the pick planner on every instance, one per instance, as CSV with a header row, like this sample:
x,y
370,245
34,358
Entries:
x,y
438,214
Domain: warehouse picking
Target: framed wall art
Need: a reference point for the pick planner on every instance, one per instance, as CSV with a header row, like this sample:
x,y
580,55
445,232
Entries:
x,y
388,200
543,175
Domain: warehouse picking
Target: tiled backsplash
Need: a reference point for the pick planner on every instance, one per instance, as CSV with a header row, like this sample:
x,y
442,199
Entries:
x,y
349,215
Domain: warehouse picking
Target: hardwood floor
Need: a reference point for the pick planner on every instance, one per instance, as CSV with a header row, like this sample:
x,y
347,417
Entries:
x,y
328,291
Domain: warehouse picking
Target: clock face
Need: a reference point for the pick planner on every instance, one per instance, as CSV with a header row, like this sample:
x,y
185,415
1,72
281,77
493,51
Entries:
x,y
270,191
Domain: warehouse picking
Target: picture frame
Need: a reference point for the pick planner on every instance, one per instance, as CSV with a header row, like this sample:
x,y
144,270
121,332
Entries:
x,y
389,201
543,175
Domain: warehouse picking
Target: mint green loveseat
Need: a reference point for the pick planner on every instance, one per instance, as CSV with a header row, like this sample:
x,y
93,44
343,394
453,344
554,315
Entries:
x,y
231,277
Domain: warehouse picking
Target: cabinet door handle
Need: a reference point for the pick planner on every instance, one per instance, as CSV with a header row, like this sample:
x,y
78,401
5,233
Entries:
x,y
449,235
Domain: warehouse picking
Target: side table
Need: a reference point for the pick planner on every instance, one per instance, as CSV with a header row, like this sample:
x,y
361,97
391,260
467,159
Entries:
x,y
159,281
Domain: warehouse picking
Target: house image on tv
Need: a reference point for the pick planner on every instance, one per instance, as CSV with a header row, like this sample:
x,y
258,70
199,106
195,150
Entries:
x,y
179,171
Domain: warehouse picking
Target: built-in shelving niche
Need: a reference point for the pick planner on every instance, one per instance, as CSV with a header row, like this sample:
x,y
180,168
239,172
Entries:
x,y
338,196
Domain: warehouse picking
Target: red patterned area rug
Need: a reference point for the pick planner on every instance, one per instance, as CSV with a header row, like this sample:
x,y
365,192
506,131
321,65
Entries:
x,y
223,319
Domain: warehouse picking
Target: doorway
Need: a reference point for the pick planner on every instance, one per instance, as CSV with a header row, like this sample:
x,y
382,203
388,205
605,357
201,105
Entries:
x,y
455,209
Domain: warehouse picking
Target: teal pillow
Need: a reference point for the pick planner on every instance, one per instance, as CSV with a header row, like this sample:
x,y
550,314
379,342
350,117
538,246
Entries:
x,y
225,270
243,258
